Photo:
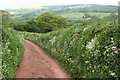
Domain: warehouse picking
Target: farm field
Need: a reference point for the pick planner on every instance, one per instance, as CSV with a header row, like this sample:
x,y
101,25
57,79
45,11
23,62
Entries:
x,y
13,12
73,15
100,15
33,8
81,16
80,6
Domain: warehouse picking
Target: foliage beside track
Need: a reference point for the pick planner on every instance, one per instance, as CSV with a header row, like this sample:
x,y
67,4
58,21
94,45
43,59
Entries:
x,y
83,50
12,48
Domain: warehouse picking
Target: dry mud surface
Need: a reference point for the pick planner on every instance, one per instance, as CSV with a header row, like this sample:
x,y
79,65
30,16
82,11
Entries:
x,y
37,64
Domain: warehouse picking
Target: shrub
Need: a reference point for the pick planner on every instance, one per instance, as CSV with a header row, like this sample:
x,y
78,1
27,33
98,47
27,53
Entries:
x,y
49,22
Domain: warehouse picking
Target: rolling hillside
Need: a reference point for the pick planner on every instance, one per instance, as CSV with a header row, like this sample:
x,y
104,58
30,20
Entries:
x,y
30,13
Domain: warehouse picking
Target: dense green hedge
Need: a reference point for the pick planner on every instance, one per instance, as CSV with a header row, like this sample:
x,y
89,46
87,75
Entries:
x,y
12,51
82,50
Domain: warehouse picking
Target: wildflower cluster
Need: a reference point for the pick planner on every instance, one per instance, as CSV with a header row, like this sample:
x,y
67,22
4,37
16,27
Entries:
x,y
112,51
12,51
75,39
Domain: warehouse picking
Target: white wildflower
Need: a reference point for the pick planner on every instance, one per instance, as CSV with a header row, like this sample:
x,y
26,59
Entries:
x,y
52,40
87,62
112,74
114,47
97,51
91,44
106,46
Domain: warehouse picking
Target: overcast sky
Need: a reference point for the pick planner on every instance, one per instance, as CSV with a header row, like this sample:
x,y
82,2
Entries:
x,y
5,4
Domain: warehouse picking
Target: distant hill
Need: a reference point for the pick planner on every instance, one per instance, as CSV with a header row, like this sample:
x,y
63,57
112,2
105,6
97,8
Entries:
x,y
23,14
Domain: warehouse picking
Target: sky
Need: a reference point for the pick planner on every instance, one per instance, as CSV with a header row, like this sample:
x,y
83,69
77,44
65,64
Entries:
x,y
8,4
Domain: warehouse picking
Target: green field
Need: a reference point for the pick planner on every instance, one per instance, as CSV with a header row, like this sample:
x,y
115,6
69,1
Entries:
x,y
81,16
100,15
80,6
72,15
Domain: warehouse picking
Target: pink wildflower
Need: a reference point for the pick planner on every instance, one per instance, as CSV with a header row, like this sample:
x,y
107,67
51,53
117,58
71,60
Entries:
x,y
94,65
76,34
116,49
108,37
111,45
108,51
74,39
73,44
114,43
112,57
111,39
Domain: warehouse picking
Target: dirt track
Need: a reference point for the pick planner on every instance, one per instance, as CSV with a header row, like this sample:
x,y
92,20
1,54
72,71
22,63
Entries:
x,y
37,64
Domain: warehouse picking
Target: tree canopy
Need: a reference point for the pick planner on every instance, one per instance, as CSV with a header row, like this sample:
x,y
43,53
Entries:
x,y
49,22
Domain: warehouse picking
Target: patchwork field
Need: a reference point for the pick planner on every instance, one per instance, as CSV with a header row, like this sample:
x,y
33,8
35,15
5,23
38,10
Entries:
x,y
13,12
100,15
72,15
80,6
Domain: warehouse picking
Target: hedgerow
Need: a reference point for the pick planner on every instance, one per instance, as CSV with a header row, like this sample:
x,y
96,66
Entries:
x,y
12,51
82,50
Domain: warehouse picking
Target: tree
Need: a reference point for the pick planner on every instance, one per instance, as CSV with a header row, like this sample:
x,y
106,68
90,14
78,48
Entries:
x,y
49,22
87,15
